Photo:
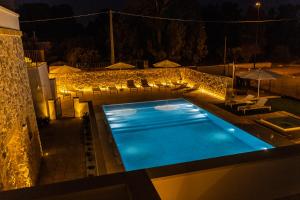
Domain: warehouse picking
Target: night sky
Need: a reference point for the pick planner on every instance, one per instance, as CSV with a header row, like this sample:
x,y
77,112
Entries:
x,y
85,6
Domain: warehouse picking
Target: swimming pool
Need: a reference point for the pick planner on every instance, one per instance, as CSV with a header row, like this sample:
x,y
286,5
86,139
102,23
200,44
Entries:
x,y
159,133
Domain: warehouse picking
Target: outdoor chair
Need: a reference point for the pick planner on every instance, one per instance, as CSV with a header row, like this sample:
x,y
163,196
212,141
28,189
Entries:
x,y
159,85
145,84
66,93
237,100
260,104
180,88
113,89
176,84
192,89
131,85
79,92
96,90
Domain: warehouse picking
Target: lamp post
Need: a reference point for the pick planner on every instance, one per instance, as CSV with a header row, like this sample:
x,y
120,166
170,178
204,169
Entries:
x,y
257,5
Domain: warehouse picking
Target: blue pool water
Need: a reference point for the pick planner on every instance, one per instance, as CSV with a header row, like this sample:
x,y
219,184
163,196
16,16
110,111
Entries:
x,y
158,133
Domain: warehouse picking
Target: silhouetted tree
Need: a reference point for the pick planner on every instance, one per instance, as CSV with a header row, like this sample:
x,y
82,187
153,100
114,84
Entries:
x,y
154,39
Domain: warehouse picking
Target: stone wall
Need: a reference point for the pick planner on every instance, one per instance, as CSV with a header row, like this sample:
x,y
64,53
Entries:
x,y
217,85
86,80
103,78
20,149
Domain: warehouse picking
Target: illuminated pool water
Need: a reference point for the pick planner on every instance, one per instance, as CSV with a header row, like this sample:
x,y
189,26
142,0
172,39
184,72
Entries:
x,y
158,133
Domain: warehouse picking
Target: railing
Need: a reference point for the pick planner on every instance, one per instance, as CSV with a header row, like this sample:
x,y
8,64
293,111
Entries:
x,y
35,55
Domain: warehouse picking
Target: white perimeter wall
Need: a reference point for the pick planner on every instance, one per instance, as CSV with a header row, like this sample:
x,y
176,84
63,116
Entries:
x,y
40,88
260,180
9,19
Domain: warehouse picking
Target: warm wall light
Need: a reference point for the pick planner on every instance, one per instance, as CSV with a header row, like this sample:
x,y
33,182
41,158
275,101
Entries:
x,y
52,110
210,84
80,108
258,4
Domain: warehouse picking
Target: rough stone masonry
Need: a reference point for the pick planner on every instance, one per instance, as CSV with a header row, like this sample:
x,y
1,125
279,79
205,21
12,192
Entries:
x,y
20,148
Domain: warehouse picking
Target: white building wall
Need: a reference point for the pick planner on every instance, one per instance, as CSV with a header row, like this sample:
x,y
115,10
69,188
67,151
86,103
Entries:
x,y
9,19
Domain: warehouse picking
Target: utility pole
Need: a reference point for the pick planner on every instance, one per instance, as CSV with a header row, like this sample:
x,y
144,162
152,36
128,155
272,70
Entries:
x,y
225,54
111,36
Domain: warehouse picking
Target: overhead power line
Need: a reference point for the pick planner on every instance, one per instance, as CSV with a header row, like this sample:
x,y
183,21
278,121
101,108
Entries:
x,y
207,21
63,18
164,18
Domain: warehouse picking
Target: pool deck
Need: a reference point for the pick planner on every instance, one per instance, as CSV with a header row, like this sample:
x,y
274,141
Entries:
x,y
105,146
63,150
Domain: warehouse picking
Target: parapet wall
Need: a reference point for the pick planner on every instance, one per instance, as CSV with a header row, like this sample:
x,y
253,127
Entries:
x,y
86,80
20,149
216,85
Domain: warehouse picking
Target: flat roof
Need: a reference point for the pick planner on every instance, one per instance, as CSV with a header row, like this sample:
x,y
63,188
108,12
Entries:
x,y
5,10
9,19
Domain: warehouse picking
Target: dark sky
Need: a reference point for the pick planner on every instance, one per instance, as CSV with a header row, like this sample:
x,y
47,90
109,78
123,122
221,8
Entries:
x,y
84,6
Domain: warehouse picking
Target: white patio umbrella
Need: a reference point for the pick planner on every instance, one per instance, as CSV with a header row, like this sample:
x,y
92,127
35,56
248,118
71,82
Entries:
x,y
63,69
120,66
166,64
259,75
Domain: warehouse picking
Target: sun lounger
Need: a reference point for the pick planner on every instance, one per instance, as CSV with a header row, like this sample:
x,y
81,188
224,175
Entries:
x,y
194,88
160,85
131,85
113,89
145,84
181,87
79,91
96,90
260,104
177,85
236,101
66,93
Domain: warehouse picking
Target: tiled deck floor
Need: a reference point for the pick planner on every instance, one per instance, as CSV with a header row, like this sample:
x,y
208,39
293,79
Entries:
x,y
65,160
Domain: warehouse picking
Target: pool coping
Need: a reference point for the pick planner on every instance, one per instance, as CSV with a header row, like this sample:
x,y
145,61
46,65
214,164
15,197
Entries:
x,y
194,166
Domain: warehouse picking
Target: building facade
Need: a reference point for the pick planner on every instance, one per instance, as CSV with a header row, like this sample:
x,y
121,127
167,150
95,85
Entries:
x,y
20,148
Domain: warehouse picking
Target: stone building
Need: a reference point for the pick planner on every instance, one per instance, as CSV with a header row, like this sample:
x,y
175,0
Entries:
x,y
20,148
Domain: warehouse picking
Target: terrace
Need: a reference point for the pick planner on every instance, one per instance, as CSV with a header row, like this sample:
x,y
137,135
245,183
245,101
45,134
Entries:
x,y
209,96
156,133
211,93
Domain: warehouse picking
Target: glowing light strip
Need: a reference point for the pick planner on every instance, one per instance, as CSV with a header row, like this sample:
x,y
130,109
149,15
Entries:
x,y
212,94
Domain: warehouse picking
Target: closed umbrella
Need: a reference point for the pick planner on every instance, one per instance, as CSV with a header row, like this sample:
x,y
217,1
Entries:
x,y
120,66
259,75
166,64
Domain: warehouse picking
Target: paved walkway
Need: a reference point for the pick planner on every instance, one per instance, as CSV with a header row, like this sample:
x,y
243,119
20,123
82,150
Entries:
x,y
64,157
